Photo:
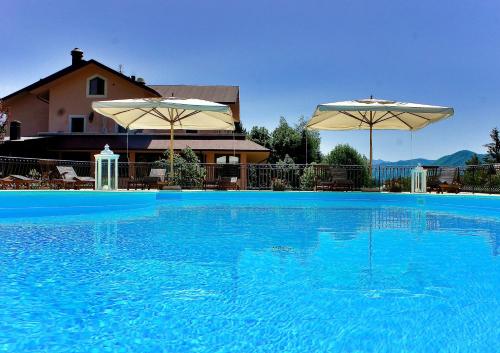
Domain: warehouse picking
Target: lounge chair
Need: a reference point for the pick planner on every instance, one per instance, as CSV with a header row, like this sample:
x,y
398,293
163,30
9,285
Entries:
x,y
211,184
69,179
47,169
337,180
445,180
15,181
135,183
156,176
229,183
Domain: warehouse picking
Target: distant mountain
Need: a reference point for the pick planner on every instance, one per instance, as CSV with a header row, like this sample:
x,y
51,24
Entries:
x,y
456,159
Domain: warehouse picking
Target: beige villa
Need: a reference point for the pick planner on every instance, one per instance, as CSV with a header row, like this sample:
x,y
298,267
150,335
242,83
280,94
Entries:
x,y
53,118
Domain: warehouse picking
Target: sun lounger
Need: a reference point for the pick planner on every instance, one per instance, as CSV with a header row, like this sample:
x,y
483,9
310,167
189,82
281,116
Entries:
x,y
229,183
211,184
135,183
156,176
15,181
337,180
445,180
69,179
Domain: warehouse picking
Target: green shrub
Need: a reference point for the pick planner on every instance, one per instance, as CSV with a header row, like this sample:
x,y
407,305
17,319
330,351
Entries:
x,y
287,171
34,174
279,185
187,170
345,155
308,178
396,186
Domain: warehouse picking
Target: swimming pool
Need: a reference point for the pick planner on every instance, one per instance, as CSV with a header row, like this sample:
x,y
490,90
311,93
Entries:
x,y
248,272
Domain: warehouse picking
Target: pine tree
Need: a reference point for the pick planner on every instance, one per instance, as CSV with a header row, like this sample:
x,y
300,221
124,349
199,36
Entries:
x,y
474,160
493,147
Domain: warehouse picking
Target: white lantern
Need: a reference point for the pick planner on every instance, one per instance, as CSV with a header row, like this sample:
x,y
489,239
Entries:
x,y
418,180
106,170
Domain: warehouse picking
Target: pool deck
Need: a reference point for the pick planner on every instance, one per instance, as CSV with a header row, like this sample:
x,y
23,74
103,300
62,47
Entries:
x,y
252,191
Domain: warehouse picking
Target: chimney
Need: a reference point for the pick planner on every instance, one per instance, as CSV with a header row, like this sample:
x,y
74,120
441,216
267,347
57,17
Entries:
x,y
76,56
132,77
15,130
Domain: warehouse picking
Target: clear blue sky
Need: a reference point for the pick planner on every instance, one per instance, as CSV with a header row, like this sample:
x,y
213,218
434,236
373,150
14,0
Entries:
x,y
286,56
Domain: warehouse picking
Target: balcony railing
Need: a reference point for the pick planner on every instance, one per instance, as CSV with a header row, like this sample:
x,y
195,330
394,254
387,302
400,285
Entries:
x,y
476,179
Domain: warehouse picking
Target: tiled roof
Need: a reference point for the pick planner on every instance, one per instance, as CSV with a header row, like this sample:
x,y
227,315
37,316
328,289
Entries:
x,y
219,94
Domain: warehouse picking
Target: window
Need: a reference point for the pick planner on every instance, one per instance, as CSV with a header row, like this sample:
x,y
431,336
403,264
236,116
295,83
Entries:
x,y
221,159
234,160
77,124
96,86
227,166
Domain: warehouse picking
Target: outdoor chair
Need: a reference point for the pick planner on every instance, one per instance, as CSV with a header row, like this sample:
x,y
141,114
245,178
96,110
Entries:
x,y
393,185
135,183
211,184
156,176
229,183
337,180
15,181
47,169
445,180
69,179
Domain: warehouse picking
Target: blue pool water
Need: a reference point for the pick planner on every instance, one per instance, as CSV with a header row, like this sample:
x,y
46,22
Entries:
x,y
248,272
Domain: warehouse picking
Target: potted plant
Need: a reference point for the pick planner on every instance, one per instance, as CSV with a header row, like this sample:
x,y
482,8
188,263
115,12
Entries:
x,y
395,186
278,185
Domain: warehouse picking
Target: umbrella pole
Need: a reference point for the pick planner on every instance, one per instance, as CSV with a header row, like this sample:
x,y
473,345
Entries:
x,y
371,149
172,151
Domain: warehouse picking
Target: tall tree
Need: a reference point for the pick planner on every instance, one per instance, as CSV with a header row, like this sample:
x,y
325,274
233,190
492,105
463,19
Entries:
x,y
309,141
238,128
260,135
347,155
344,154
291,141
493,147
285,141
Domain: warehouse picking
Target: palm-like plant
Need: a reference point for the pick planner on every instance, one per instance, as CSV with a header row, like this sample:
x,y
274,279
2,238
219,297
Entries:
x,y
3,118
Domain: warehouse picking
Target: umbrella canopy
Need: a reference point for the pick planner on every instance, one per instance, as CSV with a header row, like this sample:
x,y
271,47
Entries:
x,y
167,113
370,114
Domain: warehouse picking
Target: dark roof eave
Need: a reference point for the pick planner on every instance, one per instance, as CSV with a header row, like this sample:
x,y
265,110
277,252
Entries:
x,y
138,142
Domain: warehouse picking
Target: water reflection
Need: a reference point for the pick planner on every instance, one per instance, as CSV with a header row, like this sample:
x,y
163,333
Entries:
x,y
222,234
185,274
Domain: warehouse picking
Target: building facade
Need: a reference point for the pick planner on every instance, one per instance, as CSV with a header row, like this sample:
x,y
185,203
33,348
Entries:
x,y
53,118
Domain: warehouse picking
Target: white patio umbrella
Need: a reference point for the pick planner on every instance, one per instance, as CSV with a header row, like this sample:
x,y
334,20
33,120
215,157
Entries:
x,y
167,114
378,114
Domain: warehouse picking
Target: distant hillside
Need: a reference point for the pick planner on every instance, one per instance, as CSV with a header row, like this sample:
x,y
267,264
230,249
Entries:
x,y
456,159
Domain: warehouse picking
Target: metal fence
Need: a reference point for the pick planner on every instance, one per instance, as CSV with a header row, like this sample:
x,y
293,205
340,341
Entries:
x,y
299,176
478,178
41,169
